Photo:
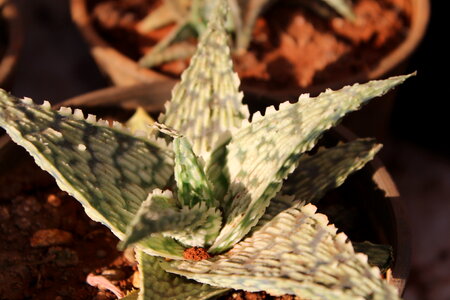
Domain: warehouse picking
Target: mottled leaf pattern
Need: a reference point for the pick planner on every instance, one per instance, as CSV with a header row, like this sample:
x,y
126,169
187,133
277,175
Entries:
x,y
262,153
157,214
107,169
160,214
296,253
158,284
207,103
316,174
194,189
193,186
319,173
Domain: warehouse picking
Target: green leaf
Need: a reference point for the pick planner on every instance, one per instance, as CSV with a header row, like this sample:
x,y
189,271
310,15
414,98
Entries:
x,y
160,245
193,186
378,255
296,253
207,103
157,214
316,174
264,152
193,226
158,284
177,51
108,170
319,173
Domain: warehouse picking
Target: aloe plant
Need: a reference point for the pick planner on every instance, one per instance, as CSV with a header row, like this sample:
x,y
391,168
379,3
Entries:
x,y
205,176
190,17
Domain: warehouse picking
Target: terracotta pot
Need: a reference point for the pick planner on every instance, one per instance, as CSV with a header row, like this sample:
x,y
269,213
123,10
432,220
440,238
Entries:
x,y
124,71
372,120
14,39
385,208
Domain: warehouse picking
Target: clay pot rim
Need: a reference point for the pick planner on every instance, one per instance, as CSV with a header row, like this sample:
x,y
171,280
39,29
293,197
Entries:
x,y
99,47
382,178
12,18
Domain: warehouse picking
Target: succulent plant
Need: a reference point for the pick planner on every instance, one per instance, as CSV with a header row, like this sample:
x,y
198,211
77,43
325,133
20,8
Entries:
x,y
190,17
207,177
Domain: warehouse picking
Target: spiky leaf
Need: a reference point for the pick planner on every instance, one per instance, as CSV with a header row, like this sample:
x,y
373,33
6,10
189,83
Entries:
x,y
296,253
160,214
193,186
158,284
261,154
107,169
316,174
207,103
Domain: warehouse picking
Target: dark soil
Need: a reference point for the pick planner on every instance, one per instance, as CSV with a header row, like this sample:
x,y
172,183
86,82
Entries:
x,y
48,244
314,50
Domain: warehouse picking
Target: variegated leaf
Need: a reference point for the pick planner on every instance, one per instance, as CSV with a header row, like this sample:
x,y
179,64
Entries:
x,y
328,169
262,153
207,103
160,245
157,214
319,173
107,169
193,190
158,284
296,253
160,214
193,186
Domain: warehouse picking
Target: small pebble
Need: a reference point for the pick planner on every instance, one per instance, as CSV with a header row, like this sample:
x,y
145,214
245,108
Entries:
x,y
54,200
50,237
4,213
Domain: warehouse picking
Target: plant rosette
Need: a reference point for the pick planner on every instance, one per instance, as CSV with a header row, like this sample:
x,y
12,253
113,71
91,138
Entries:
x,y
205,177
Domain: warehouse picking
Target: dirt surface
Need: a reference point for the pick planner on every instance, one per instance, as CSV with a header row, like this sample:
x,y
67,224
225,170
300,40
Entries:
x,y
196,253
48,244
314,49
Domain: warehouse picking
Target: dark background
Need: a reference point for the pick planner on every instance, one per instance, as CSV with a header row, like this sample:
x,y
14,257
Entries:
x,y
55,65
